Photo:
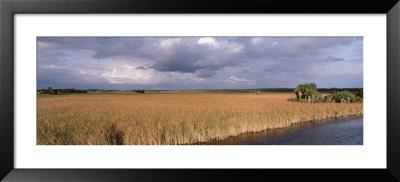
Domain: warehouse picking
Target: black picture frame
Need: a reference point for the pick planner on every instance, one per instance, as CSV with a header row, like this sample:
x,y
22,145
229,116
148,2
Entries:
x,y
8,8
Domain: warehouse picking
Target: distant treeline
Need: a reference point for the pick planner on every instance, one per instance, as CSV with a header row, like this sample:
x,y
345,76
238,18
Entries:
x,y
139,91
61,91
324,90
52,91
72,90
231,90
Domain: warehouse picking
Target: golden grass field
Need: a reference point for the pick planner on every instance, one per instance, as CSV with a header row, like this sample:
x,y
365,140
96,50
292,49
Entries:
x,y
171,118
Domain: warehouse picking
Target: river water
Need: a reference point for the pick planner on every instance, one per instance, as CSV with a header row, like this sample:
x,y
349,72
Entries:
x,y
347,131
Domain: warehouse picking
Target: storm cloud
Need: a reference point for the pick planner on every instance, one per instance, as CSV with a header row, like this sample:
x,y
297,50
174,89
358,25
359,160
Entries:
x,y
198,62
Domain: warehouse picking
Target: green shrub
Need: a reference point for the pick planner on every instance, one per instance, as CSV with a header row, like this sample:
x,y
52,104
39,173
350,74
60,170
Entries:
x,y
344,96
360,93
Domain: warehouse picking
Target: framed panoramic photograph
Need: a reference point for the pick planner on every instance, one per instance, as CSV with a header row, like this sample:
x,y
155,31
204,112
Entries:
x,y
199,91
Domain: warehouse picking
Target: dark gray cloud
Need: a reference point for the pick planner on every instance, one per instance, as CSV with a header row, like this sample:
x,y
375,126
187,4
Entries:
x,y
143,67
198,62
331,58
205,73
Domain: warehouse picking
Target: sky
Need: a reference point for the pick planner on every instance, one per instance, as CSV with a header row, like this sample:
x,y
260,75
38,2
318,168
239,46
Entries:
x,y
175,63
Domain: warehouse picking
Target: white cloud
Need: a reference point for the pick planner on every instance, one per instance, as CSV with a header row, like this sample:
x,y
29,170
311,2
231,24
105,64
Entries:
x,y
118,74
43,44
233,47
209,41
256,40
130,75
170,42
233,78
49,67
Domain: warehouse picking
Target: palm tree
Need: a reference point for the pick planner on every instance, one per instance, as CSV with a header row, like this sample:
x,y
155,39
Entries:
x,y
307,91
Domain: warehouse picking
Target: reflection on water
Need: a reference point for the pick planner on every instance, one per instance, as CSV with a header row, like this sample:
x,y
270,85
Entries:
x,y
337,132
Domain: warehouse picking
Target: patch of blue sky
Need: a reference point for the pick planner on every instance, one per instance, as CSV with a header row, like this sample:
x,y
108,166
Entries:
x,y
354,51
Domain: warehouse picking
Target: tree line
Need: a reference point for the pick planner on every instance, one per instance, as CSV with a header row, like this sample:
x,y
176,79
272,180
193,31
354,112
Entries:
x,y
52,91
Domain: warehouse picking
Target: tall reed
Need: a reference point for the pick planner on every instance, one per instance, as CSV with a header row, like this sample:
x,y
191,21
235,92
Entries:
x,y
171,118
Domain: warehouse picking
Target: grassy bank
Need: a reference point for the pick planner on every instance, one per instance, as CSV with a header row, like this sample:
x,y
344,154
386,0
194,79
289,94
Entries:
x,y
171,118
